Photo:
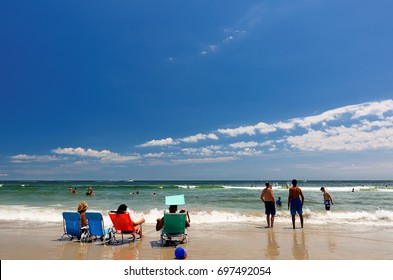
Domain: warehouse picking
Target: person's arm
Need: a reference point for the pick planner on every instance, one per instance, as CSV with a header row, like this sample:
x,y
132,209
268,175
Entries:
x,y
262,195
159,224
330,198
302,196
289,198
141,221
188,217
83,220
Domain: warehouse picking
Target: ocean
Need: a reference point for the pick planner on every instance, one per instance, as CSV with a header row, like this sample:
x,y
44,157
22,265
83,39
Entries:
x,y
358,203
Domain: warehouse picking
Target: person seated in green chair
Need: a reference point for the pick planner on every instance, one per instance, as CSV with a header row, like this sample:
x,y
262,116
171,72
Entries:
x,y
172,209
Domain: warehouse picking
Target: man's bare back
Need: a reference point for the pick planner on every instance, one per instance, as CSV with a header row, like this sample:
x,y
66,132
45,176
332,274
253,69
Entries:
x,y
294,192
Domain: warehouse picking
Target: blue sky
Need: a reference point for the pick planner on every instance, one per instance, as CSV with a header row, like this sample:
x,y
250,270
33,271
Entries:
x,y
196,90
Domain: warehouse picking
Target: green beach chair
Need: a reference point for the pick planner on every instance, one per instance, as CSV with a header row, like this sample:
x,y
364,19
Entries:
x,y
174,228
174,223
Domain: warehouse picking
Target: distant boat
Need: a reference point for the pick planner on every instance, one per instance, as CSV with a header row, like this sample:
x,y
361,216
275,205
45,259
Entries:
x,y
130,180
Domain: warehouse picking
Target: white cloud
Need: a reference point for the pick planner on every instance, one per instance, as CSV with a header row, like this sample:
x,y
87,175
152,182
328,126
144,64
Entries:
x,y
285,125
355,138
104,155
308,133
202,160
250,130
32,158
204,151
368,109
241,145
162,142
199,136
373,108
82,152
249,152
154,155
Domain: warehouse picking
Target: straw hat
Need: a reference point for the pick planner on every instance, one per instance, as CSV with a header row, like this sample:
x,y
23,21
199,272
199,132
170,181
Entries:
x,y
82,206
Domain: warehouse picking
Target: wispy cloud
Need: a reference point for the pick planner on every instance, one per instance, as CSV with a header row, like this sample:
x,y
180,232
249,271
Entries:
x,y
161,142
354,128
250,144
250,130
199,136
104,155
33,158
359,137
202,160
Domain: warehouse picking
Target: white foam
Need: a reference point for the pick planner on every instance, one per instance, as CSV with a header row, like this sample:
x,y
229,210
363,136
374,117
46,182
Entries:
x,y
379,217
186,187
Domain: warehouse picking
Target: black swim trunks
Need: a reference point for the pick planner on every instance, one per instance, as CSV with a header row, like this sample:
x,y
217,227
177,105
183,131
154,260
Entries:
x,y
327,204
270,208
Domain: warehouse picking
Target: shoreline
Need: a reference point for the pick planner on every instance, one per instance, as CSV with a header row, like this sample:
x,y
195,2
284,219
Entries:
x,y
240,241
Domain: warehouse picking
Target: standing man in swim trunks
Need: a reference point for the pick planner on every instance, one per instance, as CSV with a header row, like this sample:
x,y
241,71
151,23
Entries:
x,y
327,199
295,202
267,197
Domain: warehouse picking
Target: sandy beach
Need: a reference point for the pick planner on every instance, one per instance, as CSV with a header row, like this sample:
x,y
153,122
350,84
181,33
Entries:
x,y
206,242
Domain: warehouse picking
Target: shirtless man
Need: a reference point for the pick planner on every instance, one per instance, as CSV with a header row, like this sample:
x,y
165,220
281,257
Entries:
x,y
267,197
296,201
327,199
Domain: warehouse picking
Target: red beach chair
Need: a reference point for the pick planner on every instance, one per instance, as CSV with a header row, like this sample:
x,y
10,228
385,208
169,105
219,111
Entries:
x,y
123,225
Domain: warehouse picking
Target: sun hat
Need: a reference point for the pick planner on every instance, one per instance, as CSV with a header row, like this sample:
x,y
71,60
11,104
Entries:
x,y
82,206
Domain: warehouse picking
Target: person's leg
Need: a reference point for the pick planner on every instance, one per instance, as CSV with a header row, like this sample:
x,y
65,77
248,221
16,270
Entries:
x,y
140,232
268,220
301,220
293,221
272,221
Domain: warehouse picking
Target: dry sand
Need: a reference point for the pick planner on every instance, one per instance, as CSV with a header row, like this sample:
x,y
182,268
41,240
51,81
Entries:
x,y
206,242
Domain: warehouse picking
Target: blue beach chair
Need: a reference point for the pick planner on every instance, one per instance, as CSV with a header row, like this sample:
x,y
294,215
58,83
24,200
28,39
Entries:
x,y
72,226
96,227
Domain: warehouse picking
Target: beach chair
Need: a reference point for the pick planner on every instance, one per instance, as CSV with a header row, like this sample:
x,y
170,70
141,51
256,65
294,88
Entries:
x,y
96,227
123,224
72,226
174,223
174,228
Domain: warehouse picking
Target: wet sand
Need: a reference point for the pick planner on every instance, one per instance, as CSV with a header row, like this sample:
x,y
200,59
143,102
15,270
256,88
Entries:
x,y
206,242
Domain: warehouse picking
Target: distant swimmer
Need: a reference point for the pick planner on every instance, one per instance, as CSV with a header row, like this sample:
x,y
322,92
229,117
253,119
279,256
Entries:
x,y
327,199
89,191
279,202
74,191
353,190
